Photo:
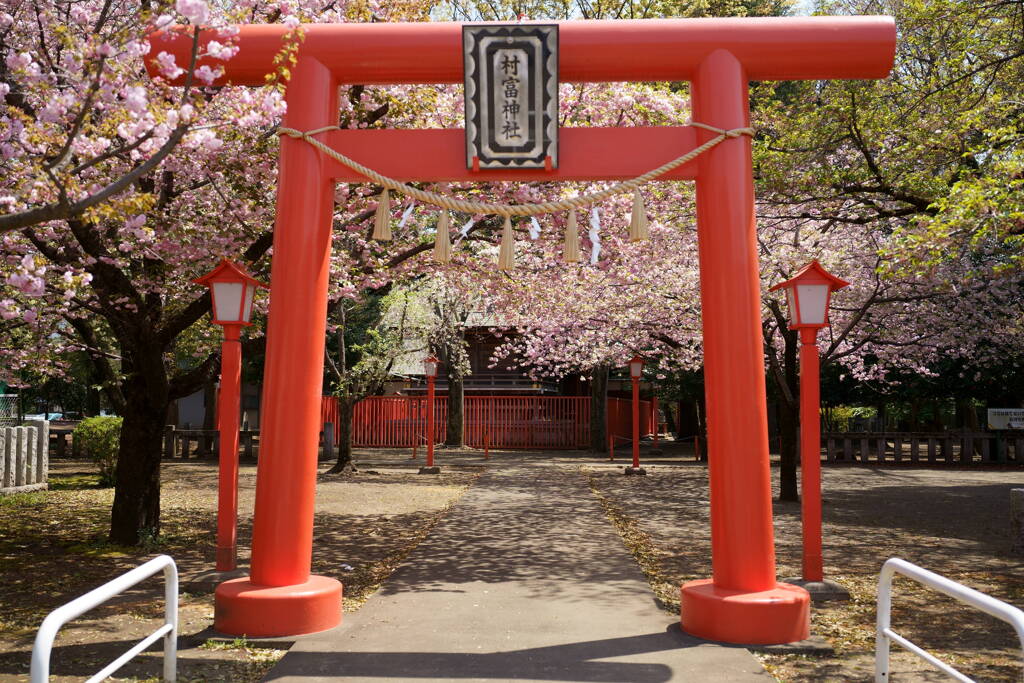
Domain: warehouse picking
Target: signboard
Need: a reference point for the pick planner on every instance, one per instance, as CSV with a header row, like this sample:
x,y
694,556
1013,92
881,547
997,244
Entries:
x,y
511,77
1006,418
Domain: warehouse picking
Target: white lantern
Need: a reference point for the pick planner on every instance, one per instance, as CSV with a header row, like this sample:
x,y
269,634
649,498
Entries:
x,y
232,290
808,294
430,366
636,367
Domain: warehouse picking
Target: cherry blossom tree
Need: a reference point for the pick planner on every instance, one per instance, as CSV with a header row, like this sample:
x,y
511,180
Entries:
x,y
909,188
119,190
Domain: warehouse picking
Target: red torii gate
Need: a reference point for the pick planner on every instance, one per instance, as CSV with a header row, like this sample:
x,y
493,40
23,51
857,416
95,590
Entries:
x,y
743,603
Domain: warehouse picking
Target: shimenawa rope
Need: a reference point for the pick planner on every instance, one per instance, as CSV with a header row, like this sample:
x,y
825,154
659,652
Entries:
x,y
577,202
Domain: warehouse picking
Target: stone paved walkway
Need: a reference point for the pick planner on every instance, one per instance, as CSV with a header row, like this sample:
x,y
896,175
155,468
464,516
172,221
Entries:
x,y
525,580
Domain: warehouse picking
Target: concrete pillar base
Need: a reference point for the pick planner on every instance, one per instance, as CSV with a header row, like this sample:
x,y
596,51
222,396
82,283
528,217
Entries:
x,y
635,471
430,470
779,615
243,608
821,591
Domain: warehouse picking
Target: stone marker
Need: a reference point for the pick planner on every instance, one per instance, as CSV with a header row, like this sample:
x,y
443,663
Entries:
x,y
1017,519
28,447
19,456
43,452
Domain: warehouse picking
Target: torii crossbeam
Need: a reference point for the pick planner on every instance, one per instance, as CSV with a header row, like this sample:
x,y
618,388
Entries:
x,y
743,602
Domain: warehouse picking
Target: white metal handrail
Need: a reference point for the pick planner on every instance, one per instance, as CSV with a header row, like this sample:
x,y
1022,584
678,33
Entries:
x,y
40,671
884,634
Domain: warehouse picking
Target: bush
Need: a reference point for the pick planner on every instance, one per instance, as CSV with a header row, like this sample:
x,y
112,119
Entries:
x,y
98,438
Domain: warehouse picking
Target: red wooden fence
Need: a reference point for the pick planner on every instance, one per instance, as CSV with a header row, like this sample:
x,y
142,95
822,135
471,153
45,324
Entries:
x,y
541,422
528,421
620,418
389,421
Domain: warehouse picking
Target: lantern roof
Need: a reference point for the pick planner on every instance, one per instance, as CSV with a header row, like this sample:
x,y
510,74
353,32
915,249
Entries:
x,y
228,270
812,274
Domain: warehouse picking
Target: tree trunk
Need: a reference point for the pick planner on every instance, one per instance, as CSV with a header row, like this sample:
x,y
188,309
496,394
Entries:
x,y
789,422
172,414
599,410
455,434
967,419
135,515
689,420
789,439
936,423
346,408
210,396
92,402
915,415
966,415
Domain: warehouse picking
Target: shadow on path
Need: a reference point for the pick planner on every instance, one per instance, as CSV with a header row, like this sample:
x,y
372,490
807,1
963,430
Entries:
x,y
525,579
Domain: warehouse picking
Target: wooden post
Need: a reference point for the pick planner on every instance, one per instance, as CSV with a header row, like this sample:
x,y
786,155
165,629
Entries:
x,y
915,447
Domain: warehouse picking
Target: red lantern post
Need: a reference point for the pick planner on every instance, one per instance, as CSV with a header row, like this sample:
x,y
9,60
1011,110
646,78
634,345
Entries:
x,y
430,367
232,290
808,294
636,371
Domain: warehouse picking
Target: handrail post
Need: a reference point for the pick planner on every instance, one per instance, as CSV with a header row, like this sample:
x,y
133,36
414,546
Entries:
x,y
47,633
884,633
171,617
883,620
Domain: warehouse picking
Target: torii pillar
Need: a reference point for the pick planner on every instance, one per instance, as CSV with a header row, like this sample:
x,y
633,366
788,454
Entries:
x,y
743,602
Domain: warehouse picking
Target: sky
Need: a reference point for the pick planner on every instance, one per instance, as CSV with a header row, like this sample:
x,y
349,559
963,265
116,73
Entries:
x,y
803,6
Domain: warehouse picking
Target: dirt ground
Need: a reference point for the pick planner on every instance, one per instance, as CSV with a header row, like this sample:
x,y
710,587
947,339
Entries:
x,y
53,548
951,521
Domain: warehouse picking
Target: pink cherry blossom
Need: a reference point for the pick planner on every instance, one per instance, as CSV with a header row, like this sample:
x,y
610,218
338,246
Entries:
x,y
196,11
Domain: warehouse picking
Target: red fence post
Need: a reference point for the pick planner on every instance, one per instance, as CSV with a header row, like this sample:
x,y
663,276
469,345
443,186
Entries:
x,y
654,418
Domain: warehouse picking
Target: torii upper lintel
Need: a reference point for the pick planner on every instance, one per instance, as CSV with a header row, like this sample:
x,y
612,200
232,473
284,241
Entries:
x,y
769,48
743,603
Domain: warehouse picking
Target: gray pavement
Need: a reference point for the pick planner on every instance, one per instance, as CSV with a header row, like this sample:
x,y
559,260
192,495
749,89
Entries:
x,y
524,580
